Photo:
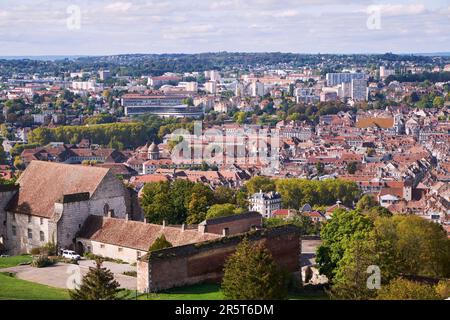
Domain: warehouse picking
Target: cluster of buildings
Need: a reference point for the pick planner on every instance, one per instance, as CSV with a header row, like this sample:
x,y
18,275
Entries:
x,y
90,210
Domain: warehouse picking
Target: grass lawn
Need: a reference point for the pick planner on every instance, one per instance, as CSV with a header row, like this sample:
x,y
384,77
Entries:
x,y
213,292
14,261
17,289
195,292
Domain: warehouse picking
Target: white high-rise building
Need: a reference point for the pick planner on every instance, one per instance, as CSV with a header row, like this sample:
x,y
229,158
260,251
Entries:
x,y
257,89
384,73
212,75
211,87
334,79
359,90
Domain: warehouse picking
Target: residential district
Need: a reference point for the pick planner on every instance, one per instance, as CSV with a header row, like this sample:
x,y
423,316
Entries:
x,y
105,163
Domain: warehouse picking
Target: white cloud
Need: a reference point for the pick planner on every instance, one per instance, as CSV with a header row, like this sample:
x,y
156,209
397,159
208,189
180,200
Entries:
x,y
398,9
38,26
286,13
119,7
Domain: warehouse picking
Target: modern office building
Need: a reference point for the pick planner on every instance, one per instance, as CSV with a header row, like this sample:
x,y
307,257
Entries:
x,y
334,79
161,105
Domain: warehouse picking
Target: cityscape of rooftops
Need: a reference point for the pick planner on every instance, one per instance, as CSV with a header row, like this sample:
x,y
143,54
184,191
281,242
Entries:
x,y
225,150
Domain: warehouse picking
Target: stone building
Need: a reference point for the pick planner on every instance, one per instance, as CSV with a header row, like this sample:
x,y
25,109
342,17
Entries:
x,y
204,261
130,240
265,203
52,202
234,224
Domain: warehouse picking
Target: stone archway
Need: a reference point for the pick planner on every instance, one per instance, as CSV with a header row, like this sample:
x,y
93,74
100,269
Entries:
x,y
79,248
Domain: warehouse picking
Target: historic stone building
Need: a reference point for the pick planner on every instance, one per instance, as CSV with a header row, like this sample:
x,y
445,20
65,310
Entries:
x,y
52,202
204,261
130,240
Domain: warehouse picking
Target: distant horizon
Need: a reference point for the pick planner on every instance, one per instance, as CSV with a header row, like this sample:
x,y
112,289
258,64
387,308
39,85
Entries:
x,y
64,56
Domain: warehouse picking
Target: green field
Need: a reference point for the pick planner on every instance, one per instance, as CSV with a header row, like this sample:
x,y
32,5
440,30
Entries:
x,y
16,289
213,292
195,292
14,261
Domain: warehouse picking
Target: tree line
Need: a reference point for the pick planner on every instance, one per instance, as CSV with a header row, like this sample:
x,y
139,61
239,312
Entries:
x,y
297,192
183,201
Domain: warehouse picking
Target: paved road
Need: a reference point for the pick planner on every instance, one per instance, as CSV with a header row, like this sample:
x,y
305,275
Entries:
x,y
309,252
61,275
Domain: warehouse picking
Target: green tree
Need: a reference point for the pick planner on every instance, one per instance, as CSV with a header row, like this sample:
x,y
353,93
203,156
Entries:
x,y
337,236
221,210
18,163
366,202
240,117
160,243
97,284
438,102
350,280
224,195
252,274
320,167
398,245
260,183
197,208
352,167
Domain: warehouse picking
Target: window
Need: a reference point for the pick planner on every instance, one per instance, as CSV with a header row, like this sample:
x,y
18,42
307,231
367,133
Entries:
x,y
42,221
29,219
14,231
102,246
105,209
138,254
120,249
41,236
13,217
30,234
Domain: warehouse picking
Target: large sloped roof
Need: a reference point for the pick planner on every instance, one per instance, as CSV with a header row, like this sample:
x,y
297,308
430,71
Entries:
x,y
44,183
137,235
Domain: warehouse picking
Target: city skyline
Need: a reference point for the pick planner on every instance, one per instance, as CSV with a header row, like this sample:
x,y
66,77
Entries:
x,y
37,28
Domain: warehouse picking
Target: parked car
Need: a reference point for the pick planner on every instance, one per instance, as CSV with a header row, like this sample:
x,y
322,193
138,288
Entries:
x,y
69,254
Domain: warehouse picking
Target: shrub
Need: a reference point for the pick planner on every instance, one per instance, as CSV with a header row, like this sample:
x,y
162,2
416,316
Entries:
x,y
443,289
402,289
35,251
42,261
130,273
160,243
49,249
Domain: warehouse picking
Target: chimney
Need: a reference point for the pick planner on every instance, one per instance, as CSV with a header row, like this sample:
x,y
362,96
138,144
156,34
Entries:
x,y
111,213
225,232
126,217
201,228
183,227
164,224
145,220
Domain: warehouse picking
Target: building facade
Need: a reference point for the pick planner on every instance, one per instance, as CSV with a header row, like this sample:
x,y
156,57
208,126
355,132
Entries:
x,y
265,203
52,202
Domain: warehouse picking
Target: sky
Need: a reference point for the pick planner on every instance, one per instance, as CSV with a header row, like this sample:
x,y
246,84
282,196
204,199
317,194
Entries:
x,y
106,27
